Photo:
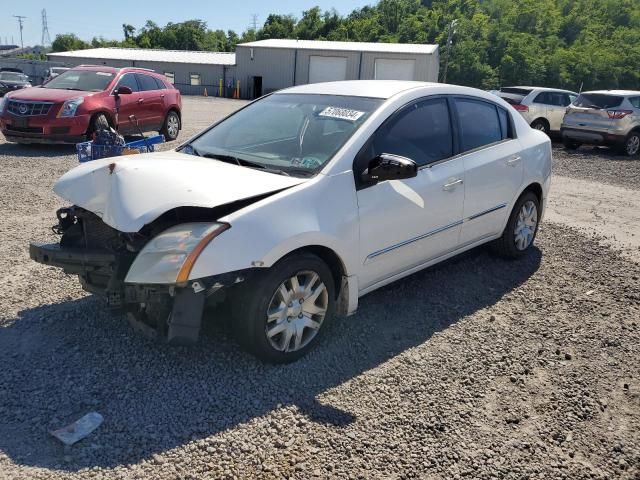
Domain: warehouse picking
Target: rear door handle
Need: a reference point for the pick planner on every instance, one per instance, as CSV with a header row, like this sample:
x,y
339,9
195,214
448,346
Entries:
x,y
140,100
452,184
512,162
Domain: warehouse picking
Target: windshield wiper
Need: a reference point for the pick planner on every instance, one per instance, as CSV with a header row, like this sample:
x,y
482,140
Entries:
x,y
238,161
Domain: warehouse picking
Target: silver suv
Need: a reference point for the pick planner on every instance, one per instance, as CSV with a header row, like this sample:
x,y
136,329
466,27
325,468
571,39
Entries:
x,y
542,108
605,117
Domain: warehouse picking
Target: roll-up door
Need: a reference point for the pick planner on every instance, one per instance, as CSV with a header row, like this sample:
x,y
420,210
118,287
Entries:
x,y
327,69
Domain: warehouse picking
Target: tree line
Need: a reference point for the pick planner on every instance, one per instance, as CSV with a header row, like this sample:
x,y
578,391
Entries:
x,y
555,43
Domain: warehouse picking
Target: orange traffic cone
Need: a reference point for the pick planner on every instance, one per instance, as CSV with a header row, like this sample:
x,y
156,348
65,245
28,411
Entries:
x,y
205,92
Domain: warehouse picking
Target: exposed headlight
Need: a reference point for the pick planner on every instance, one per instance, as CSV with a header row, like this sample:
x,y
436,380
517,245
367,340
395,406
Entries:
x,y
169,257
70,106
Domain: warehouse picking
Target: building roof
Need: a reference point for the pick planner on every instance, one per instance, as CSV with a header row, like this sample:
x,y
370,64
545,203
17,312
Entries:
x,y
419,48
151,55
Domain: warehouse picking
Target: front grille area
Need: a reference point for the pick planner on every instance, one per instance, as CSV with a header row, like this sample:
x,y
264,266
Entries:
x,y
28,109
13,128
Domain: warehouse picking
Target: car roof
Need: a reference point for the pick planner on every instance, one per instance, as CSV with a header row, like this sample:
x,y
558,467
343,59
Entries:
x,y
545,89
383,89
623,93
105,68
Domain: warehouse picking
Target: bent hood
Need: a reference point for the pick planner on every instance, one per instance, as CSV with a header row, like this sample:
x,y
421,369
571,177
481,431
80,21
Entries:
x,y
131,191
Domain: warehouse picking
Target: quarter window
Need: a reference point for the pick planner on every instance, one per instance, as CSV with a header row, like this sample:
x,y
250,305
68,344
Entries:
x,y
159,84
129,80
170,76
479,124
195,78
422,132
635,101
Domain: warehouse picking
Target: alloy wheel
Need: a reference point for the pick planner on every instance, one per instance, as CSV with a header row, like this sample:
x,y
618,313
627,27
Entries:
x,y
526,225
633,145
296,312
173,125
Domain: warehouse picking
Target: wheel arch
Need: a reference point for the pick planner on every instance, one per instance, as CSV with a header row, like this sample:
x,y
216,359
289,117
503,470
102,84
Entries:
x,y
106,113
541,119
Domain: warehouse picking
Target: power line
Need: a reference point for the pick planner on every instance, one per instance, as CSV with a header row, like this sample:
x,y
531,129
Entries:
x,y
46,39
20,20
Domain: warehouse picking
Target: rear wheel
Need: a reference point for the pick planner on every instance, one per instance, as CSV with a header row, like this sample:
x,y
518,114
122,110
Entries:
x,y
632,144
570,144
521,229
281,314
542,125
171,126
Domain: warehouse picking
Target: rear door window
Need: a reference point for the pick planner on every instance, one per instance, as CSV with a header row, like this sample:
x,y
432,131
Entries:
x,y
129,80
146,82
598,100
422,132
479,123
159,84
544,98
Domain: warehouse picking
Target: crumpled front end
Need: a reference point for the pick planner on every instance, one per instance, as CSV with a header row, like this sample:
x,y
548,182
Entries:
x,y
102,256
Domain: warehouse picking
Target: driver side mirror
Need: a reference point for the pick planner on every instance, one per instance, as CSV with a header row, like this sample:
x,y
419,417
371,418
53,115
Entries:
x,y
389,167
123,90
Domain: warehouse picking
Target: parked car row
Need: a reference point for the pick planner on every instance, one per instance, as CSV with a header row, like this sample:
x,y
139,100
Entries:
x,y
68,107
604,117
11,81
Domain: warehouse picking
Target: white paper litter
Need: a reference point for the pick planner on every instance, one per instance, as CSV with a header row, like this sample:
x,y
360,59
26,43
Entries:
x,y
78,429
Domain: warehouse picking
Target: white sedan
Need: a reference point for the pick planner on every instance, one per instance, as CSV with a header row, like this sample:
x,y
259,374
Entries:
x,y
300,203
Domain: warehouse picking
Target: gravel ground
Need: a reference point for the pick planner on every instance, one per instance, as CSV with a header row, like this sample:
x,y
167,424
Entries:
x,y
599,164
478,368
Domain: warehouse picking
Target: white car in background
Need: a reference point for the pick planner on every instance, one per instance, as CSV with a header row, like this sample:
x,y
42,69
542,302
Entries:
x,y
542,108
300,203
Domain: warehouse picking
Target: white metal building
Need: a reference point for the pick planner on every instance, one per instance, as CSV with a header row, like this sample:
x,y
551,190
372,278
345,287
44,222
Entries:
x,y
265,66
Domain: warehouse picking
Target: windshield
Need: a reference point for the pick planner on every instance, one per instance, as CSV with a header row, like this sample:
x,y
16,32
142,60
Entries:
x,y
598,100
13,77
85,80
296,134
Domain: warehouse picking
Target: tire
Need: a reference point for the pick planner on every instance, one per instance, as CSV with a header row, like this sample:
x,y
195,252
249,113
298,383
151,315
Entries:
x,y
288,322
570,144
541,125
631,146
171,126
509,244
98,122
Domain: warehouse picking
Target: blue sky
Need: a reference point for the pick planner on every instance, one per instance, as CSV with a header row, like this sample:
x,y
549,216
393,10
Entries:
x,y
87,18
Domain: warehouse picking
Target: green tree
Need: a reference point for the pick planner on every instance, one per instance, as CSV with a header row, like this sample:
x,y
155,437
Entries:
x,y
66,42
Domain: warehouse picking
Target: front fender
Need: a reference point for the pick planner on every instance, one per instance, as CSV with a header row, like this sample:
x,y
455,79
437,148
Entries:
x,y
322,212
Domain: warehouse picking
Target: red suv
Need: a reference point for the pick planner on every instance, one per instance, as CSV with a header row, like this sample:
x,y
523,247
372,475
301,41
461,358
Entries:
x,y
67,108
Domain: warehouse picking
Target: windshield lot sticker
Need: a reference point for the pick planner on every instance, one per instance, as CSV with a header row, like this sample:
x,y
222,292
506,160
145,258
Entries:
x,y
105,74
341,113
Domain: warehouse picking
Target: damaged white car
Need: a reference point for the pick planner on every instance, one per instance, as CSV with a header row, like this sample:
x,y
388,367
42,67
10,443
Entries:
x,y
300,203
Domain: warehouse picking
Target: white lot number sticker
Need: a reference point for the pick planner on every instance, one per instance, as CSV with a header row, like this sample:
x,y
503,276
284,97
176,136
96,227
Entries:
x,y
341,113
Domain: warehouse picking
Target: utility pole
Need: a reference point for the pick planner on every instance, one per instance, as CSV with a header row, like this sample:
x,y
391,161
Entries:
x,y
20,20
452,31
46,39
254,22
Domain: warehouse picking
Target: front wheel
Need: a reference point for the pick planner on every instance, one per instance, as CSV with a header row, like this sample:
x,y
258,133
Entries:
x,y
570,144
282,312
521,229
171,126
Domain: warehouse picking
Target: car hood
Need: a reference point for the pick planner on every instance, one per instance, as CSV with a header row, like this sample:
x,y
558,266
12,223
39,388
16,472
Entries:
x,y
131,191
47,94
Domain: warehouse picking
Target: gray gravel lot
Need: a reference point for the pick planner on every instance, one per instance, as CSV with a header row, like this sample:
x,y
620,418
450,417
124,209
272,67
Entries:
x,y
599,164
477,368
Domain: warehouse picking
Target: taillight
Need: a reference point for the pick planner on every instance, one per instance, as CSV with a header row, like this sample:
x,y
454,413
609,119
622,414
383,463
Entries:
x,y
618,114
520,108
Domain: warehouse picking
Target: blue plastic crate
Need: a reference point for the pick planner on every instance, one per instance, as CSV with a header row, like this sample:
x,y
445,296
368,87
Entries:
x,y
87,151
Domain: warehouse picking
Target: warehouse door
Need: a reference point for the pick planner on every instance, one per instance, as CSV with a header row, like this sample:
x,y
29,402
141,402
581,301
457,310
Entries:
x,y
327,69
394,69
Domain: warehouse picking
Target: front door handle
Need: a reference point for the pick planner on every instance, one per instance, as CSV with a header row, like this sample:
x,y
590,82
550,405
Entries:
x,y
452,184
512,162
140,100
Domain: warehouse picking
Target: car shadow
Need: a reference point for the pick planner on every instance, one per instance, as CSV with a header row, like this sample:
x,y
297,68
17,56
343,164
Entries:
x,y
62,361
36,150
